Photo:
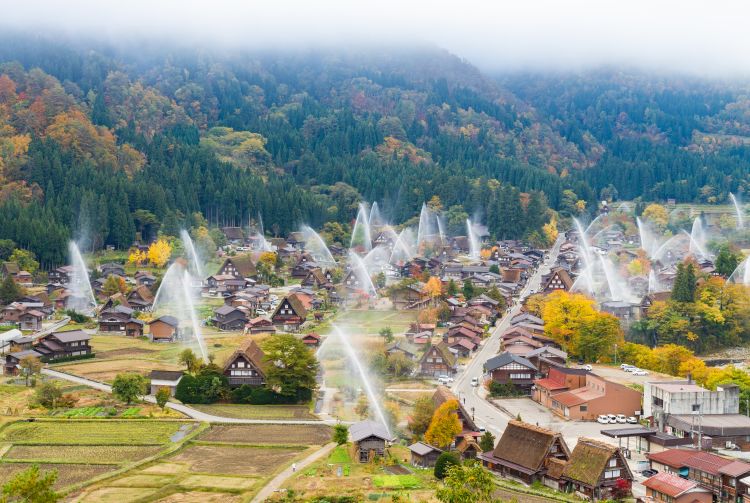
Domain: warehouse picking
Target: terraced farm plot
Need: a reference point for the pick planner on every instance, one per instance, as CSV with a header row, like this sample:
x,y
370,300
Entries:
x,y
258,411
303,434
114,454
212,481
106,370
258,461
103,432
67,474
118,494
201,497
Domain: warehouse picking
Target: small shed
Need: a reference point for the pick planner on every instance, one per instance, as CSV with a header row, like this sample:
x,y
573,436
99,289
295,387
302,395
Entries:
x,y
424,455
370,439
165,379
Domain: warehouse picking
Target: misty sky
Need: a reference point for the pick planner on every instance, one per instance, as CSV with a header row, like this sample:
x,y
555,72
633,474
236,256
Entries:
x,y
709,37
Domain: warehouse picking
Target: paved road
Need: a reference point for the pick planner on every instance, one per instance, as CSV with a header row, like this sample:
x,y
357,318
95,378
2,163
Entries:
x,y
485,414
184,409
279,479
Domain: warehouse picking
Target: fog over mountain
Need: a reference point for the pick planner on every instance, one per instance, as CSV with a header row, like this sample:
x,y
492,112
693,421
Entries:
x,y
692,37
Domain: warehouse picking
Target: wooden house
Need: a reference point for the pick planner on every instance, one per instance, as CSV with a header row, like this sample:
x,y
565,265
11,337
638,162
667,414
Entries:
x,y
403,347
112,268
289,314
424,455
438,360
513,370
31,319
671,488
61,275
164,329
468,447
145,278
229,318
524,451
259,325
141,298
594,468
370,439
557,279
315,278
57,345
120,319
12,365
311,340
246,366
239,266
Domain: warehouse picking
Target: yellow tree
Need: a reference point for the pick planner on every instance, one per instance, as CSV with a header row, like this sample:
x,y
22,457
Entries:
x,y
159,253
444,426
657,215
434,287
137,257
268,258
564,314
550,231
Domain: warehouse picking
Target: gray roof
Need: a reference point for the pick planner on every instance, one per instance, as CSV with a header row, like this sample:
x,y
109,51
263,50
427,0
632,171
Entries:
x,y
72,336
420,448
223,310
28,352
169,320
715,425
504,359
547,349
166,375
363,429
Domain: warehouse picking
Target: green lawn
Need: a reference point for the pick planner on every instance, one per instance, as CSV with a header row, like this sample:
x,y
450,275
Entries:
x,y
370,322
257,411
396,481
101,432
340,455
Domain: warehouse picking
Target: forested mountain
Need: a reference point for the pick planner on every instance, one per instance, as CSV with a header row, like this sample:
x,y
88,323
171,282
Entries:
x,y
104,141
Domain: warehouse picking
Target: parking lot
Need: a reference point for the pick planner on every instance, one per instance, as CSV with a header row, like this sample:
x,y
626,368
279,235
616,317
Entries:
x,y
616,374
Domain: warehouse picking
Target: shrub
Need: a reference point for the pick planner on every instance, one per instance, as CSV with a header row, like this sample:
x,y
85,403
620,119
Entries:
x,y
444,461
497,389
48,394
340,433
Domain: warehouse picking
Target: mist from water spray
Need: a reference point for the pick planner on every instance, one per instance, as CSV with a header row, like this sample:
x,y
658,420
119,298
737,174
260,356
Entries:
x,y
698,240
372,398
403,247
195,260
359,269
376,219
175,298
316,247
82,298
738,211
474,246
361,235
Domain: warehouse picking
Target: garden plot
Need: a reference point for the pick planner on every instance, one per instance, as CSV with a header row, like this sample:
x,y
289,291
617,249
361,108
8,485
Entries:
x,y
301,434
252,461
100,454
101,432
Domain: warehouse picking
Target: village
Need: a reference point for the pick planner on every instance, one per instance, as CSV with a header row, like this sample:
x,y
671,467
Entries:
x,y
392,358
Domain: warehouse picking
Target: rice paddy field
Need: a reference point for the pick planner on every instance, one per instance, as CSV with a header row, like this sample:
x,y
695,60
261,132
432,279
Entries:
x,y
257,411
81,451
227,463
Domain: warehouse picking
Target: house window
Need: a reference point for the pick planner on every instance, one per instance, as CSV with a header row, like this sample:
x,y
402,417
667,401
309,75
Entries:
x,y
583,408
241,364
696,407
611,474
613,462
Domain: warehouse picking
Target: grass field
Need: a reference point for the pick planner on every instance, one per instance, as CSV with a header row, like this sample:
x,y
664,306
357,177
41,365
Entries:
x,y
302,434
371,322
258,411
103,432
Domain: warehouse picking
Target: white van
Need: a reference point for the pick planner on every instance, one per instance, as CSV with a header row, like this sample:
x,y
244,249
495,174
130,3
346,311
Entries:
x,y
475,381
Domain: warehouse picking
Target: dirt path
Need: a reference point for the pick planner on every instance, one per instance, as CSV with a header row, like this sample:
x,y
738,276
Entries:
x,y
279,479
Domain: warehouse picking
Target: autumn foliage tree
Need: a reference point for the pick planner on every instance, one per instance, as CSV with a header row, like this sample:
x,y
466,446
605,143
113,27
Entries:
x,y
433,287
159,252
444,425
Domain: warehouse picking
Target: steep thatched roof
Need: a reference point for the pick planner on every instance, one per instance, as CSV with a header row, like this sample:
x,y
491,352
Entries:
x,y
243,264
525,445
588,460
253,353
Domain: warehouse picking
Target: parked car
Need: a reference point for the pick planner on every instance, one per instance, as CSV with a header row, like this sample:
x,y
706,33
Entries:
x,y
640,372
630,369
621,419
445,379
475,381
623,366
261,312
603,419
649,473
588,368
632,420
612,418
